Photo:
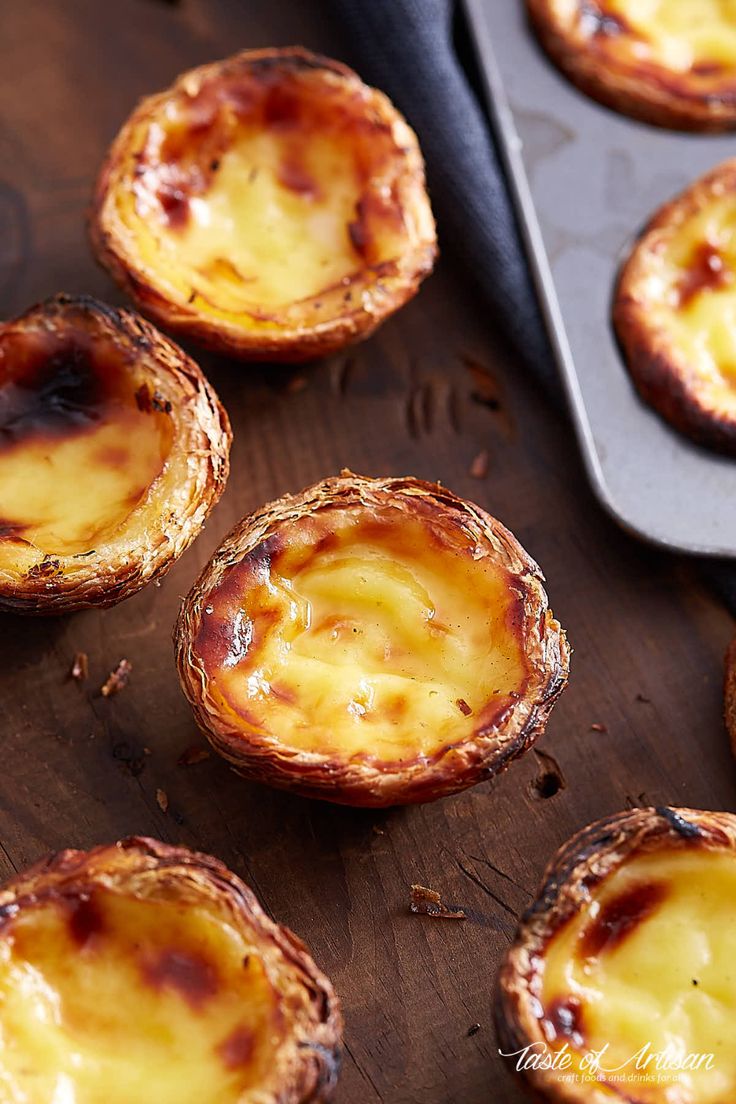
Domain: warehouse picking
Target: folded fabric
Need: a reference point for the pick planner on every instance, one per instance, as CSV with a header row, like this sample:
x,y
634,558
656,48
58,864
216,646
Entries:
x,y
408,48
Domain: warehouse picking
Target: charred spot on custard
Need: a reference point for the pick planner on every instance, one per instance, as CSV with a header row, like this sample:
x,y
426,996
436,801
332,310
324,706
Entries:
x,y
115,457
216,639
283,106
174,204
706,271
57,386
85,918
358,230
184,972
52,386
294,175
237,1050
11,530
620,917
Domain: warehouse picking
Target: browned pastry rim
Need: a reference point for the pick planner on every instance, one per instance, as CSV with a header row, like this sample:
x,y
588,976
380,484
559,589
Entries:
x,y
490,744
580,47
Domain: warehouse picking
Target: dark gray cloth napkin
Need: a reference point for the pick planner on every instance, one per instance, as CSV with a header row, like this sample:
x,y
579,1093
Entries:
x,y
418,52
409,48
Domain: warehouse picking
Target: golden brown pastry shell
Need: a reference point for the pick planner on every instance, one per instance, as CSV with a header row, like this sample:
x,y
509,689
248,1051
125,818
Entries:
x,y
359,781
156,535
139,867
584,861
319,324
661,372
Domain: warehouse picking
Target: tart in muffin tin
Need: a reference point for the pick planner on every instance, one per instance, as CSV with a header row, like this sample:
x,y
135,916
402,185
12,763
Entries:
x,y
667,62
675,310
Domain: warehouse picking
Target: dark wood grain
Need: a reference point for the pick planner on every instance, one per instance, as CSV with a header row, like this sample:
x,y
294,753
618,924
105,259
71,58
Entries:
x,y
425,396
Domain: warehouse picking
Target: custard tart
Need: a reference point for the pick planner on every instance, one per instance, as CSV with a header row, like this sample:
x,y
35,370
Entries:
x,y
667,62
113,450
144,972
270,206
620,984
675,310
370,642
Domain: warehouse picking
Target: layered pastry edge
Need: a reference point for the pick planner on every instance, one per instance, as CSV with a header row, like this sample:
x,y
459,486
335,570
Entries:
x,y
140,869
319,322
165,385
361,779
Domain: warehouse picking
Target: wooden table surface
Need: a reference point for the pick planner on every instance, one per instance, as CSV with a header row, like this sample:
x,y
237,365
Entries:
x,y
648,639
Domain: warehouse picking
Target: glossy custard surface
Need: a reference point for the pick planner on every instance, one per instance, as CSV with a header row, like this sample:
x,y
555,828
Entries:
x,y
690,291
265,188
78,448
651,962
109,999
695,39
359,633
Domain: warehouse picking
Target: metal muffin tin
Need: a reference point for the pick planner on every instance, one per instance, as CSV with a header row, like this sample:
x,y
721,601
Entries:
x,y
585,181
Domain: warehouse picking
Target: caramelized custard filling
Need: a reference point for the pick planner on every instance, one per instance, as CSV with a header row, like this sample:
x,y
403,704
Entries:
x,y
269,185
650,962
692,38
105,997
359,634
79,446
691,285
